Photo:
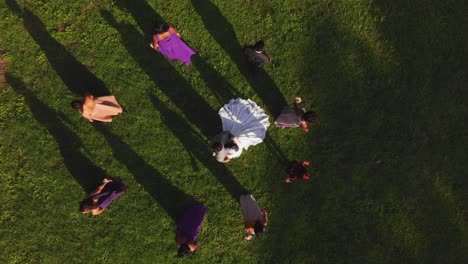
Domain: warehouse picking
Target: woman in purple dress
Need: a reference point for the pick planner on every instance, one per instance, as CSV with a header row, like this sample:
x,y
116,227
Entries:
x,y
167,41
101,198
296,117
188,228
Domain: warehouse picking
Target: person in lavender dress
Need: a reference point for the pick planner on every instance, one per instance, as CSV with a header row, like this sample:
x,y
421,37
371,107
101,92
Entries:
x,y
296,117
102,197
255,218
167,40
188,228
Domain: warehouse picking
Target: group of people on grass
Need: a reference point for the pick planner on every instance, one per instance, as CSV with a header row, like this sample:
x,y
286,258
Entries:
x,y
244,124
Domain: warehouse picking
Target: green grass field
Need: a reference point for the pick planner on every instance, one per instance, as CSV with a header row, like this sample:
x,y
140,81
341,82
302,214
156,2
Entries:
x,y
387,78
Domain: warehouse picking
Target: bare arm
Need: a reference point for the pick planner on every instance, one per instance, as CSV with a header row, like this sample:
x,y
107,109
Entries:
x,y
297,108
97,211
173,30
264,217
155,43
268,57
88,106
304,126
248,229
192,245
98,190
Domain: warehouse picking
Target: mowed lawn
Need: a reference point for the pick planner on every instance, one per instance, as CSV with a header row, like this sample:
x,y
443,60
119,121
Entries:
x,y
388,154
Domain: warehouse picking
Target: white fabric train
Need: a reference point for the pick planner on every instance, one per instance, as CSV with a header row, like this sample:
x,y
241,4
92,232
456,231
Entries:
x,y
247,121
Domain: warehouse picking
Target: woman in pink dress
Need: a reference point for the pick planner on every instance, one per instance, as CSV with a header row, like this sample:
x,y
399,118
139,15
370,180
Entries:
x,y
255,218
99,108
296,117
167,40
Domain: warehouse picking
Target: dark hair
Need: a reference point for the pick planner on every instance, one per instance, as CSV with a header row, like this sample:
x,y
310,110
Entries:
x,y
217,147
258,228
309,116
232,145
259,45
87,204
302,172
77,104
161,28
184,250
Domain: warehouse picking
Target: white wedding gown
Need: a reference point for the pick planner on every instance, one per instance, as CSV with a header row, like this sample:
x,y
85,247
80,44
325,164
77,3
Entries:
x,y
246,121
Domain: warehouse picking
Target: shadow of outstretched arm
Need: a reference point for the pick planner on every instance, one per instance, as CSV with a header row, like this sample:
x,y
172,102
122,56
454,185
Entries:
x,y
172,200
199,148
86,173
74,74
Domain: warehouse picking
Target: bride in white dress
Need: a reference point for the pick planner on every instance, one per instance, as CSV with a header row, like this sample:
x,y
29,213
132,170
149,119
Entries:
x,y
246,122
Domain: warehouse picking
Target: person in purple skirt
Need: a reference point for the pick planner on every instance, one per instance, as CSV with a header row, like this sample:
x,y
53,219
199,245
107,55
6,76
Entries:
x,y
296,117
167,40
188,228
102,197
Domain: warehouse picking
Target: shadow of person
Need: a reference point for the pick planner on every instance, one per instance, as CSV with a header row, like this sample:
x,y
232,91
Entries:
x,y
218,85
145,16
198,148
74,74
172,200
223,32
86,173
165,77
275,150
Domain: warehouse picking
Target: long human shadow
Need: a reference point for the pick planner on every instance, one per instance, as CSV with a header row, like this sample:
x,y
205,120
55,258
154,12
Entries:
x,y
169,197
145,16
163,74
74,74
223,32
172,200
194,144
218,85
86,173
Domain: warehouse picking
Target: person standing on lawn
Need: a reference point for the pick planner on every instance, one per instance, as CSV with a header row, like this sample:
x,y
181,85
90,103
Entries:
x,y
188,228
298,171
256,56
296,117
98,108
255,219
101,198
167,41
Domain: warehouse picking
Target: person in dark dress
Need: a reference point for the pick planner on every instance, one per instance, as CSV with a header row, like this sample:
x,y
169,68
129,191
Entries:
x,y
256,56
102,197
297,171
188,228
